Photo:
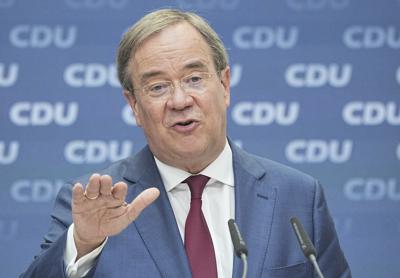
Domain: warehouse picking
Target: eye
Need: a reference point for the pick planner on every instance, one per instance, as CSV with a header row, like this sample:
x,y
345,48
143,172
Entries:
x,y
194,80
159,88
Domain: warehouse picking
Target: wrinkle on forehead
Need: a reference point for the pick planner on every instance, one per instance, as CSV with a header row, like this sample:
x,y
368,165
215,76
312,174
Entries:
x,y
171,52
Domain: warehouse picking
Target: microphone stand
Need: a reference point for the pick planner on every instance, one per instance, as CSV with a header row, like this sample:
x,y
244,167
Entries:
x,y
243,256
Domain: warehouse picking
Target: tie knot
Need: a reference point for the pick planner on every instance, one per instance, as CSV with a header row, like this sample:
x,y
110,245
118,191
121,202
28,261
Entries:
x,y
196,185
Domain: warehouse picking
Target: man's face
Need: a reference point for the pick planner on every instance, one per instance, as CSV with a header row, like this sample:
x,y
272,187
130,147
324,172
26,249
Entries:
x,y
186,129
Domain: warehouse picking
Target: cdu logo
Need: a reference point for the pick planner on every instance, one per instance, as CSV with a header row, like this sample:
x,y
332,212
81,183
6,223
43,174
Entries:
x,y
36,191
225,5
265,113
372,189
263,37
369,37
315,75
127,115
42,36
371,113
8,75
43,113
91,75
6,3
8,152
317,5
96,4
96,151
318,151
8,229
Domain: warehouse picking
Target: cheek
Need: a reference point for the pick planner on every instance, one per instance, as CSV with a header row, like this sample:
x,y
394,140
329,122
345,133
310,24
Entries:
x,y
215,111
137,111
150,115
220,104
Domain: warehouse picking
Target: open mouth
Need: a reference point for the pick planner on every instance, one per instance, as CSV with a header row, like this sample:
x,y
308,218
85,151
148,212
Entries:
x,y
185,126
186,123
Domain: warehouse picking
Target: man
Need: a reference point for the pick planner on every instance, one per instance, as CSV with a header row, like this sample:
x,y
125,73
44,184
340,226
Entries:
x,y
175,75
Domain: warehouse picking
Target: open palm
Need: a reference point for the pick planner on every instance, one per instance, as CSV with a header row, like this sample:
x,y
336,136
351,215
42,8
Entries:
x,y
100,210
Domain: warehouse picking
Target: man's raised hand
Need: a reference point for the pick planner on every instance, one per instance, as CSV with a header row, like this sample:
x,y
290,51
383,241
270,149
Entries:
x,y
100,210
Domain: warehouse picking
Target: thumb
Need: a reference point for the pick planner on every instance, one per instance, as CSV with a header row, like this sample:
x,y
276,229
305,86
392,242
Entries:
x,y
142,201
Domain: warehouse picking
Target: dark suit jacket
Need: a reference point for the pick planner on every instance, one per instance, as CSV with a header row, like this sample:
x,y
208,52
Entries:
x,y
267,194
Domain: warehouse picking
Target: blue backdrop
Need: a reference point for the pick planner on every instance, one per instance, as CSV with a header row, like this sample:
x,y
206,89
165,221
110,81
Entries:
x,y
315,85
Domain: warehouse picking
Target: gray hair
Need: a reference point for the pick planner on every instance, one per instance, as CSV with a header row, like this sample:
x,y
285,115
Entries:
x,y
154,23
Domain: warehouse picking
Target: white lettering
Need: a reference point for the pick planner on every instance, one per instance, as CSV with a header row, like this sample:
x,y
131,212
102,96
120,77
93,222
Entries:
x,y
265,113
369,37
372,189
37,191
371,113
43,113
96,151
318,151
41,36
8,156
9,78
318,75
91,75
262,37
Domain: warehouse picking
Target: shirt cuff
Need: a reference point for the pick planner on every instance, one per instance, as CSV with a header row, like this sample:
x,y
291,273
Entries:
x,y
82,266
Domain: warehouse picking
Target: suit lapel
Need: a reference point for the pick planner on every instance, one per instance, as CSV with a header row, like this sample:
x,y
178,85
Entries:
x,y
254,209
156,224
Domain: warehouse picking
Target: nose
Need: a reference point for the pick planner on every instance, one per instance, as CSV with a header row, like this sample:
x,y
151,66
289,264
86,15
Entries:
x,y
179,99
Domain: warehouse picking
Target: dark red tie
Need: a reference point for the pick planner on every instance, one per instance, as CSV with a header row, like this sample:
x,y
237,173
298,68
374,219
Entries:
x,y
198,243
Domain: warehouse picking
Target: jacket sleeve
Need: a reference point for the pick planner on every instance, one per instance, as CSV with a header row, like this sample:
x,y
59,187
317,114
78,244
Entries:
x,y
50,261
329,254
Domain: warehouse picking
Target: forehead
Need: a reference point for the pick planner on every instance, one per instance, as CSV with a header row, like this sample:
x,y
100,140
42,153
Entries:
x,y
172,50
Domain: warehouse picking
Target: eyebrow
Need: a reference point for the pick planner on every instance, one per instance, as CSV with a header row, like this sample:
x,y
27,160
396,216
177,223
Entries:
x,y
150,74
192,65
196,65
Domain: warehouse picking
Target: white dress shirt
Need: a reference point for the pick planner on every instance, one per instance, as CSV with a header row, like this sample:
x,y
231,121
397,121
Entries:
x,y
218,205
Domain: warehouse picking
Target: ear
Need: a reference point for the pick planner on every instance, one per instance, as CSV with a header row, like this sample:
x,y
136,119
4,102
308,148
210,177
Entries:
x,y
132,101
226,83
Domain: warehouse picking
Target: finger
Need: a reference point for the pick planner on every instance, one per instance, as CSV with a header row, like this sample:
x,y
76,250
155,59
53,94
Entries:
x,y
143,200
93,187
119,191
105,185
77,193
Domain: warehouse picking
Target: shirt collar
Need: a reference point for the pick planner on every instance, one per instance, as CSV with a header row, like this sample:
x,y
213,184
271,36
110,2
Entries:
x,y
221,169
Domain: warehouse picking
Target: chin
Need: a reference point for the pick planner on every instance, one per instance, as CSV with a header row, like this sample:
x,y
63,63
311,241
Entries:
x,y
189,151
190,148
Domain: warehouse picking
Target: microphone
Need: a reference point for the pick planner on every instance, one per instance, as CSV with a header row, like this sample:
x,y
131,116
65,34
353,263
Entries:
x,y
305,244
238,244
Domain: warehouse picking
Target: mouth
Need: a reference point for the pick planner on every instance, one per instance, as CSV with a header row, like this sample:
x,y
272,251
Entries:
x,y
184,123
185,126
